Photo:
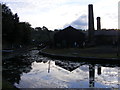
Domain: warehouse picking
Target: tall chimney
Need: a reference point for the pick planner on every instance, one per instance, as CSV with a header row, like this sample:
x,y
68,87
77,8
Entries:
x,y
90,23
98,23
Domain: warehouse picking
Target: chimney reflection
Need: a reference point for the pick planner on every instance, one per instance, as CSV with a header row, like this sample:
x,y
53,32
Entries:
x,y
91,75
99,70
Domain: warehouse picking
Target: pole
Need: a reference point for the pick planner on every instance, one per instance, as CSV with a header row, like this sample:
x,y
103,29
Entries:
x,y
49,66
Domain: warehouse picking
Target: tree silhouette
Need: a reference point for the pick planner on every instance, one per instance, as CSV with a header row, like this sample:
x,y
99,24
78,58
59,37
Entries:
x,y
7,24
14,33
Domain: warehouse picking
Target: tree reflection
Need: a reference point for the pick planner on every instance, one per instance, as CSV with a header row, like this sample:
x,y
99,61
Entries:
x,y
13,68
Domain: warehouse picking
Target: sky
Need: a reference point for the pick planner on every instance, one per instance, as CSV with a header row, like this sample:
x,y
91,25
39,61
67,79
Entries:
x,y
58,14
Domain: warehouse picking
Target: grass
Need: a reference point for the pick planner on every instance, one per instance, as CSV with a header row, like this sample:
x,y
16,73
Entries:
x,y
99,51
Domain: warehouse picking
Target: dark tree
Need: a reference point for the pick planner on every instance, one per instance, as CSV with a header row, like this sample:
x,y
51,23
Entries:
x,y
8,25
25,32
14,33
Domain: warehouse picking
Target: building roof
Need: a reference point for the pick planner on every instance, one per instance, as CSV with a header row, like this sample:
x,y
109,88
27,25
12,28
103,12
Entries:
x,y
107,32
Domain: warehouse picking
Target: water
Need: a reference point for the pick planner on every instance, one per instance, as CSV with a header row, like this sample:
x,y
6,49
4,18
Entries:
x,y
35,71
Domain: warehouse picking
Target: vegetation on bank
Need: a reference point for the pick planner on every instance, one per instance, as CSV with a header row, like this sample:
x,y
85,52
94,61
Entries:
x,y
8,86
99,52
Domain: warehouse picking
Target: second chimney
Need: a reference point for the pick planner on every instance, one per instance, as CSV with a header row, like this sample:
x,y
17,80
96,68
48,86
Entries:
x,y
98,23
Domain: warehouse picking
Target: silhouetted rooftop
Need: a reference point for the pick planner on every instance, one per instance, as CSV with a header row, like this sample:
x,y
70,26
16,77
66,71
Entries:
x,y
69,28
107,32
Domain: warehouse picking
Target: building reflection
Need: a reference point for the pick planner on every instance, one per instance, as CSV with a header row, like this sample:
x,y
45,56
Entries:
x,y
70,66
91,71
73,67
88,70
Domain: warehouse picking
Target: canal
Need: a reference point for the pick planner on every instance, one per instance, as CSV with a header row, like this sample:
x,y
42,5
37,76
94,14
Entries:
x,y
32,70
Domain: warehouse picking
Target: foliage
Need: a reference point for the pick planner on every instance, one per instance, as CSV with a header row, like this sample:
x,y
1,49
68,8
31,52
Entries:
x,y
42,35
14,33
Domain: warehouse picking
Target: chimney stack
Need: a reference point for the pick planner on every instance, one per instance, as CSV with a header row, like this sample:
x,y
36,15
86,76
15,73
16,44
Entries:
x,y
98,23
90,23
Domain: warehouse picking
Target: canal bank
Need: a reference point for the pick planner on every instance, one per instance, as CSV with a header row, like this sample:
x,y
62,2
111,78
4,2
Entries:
x,y
81,58
11,53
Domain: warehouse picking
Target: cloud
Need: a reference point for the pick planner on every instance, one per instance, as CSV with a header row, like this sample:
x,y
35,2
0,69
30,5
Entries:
x,y
54,14
79,23
108,11
47,12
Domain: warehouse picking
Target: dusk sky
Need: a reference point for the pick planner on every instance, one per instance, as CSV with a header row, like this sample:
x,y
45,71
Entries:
x,y
58,14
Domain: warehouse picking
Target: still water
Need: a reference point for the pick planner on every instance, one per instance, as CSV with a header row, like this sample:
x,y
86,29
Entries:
x,y
35,71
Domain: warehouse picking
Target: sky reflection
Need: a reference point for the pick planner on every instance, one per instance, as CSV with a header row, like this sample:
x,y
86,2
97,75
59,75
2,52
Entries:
x,y
58,77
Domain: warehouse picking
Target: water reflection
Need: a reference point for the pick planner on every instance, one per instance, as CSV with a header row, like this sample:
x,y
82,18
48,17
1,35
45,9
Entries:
x,y
49,66
91,75
70,66
34,71
99,70
119,77
13,68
